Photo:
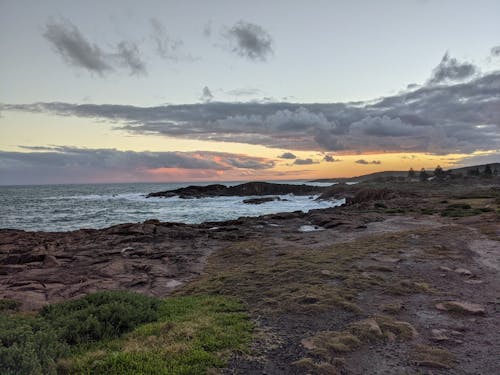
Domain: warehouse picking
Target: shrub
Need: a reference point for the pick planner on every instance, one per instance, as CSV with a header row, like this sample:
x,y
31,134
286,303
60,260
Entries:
x,y
28,345
102,315
7,304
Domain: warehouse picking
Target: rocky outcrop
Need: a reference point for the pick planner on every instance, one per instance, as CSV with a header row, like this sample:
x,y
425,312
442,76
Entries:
x,y
262,200
247,189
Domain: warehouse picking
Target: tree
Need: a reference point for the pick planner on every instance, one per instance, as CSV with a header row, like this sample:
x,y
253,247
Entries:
x,y
423,176
438,172
411,173
487,171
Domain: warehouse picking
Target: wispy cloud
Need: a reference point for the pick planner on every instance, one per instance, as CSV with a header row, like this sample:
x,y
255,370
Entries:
x,y
304,161
206,95
250,41
330,159
75,49
287,155
450,69
365,162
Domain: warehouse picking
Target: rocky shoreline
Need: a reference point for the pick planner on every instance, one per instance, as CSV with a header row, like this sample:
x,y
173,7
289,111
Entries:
x,y
401,279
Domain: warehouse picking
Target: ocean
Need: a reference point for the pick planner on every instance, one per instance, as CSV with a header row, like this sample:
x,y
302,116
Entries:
x,y
72,207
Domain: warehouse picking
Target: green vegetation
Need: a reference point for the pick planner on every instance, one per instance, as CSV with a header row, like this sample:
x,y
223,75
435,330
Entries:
x,y
124,333
99,316
7,304
28,345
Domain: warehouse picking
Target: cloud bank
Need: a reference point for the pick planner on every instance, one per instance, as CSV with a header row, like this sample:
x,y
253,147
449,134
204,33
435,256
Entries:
x,y
450,117
71,164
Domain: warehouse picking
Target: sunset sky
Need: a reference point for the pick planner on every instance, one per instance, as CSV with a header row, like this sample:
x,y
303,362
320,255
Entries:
x,y
128,91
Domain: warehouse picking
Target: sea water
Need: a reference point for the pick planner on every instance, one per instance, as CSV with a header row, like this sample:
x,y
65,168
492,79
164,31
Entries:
x,y
71,207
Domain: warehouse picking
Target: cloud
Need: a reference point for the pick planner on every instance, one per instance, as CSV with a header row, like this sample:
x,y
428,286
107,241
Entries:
x,y
452,117
330,159
207,29
62,163
495,51
206,95
364,162
165,46
489,158
250,41
72,46
76,50
304,161
287,155
244,92
128,56
450,69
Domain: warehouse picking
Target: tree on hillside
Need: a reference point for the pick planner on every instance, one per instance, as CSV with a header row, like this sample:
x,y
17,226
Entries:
x,y
423,176
438,172
473,172
487,171
411,173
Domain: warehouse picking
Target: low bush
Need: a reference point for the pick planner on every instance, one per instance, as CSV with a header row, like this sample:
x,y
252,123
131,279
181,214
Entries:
x,y
28,345
102,315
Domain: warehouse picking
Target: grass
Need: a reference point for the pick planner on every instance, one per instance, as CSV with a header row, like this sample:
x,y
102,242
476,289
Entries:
x,y
431,356
327,344
303,280
192,335
125,333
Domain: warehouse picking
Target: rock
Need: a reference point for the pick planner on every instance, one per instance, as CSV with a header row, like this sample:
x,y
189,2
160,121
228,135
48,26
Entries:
x,y
261,200
173,283
248,189
325,272
444,268
368,327
50,261
461,307
463,271
387,259
474,281
439,335
308,344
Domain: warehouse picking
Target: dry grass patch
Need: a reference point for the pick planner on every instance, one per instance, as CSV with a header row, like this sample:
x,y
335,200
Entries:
x,y
431,356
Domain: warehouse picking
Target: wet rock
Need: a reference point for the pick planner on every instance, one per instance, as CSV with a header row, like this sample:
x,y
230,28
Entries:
x,y
261,200
247,189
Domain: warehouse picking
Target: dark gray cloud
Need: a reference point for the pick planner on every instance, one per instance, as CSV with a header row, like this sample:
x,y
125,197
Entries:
x,y
40,164
448,118
450,69
330,159
76,50
365,162
128,55
206,95
250,41
166,47
287,155
304,161
72,46
495,51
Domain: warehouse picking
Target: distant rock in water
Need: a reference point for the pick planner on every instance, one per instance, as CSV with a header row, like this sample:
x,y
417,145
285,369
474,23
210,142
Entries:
x,y
262,200
247,189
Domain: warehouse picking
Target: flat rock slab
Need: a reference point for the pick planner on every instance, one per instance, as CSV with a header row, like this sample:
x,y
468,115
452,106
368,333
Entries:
x,y
461,307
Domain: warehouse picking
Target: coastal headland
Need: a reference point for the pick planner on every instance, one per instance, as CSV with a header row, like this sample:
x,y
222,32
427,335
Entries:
x,y
403,278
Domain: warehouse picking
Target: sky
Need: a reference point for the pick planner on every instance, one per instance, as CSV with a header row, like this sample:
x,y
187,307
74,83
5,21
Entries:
x,y
164,91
